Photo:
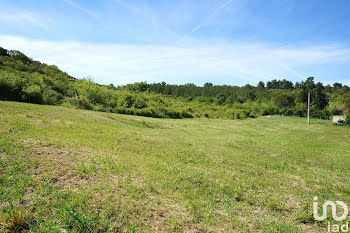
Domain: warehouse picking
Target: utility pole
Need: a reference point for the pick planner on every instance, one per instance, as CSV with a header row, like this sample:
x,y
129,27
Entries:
x,y
308,107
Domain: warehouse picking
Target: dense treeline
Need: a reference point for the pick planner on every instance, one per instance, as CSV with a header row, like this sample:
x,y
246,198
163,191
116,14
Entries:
x,y
23,79
278,96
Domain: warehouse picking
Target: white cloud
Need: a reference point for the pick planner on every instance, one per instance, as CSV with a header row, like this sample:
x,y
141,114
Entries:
x,y
77,6
212,13
230,63
21,17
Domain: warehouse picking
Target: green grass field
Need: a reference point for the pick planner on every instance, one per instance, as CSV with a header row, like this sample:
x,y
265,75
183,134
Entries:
x,y
67,170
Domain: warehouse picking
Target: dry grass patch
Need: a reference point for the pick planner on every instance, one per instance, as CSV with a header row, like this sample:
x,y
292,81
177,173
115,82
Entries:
x,y
52,161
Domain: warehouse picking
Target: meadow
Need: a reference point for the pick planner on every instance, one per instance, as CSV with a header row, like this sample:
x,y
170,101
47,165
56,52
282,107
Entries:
x,y
70,170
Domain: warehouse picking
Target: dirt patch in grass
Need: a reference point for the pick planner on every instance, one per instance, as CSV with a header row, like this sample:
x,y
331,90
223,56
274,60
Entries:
x,y
311,229
293,203
36,122
53,161
299,182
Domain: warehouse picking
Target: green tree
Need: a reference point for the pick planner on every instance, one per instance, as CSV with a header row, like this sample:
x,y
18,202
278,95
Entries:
x,y
261,85
19,56
138,86
140,102
309,84
3,52
284,100
320,96
33,94
286,84
347,107
220,99
127,101
272,84
337,86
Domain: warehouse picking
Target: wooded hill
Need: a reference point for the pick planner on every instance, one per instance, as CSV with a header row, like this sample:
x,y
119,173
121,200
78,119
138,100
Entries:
x,y
26,80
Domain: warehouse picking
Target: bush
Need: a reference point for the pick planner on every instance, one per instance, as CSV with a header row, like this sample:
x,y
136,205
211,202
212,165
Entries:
x,y
299,111
5,89
60,87
17,55
140,102
284,100
157,101
3,52
347,107
269,110
230,113
51,97
123,110
321,114
288,111
32,94
240,114
146,112
220,99
127,101
138,86
81,102
170,113
185,114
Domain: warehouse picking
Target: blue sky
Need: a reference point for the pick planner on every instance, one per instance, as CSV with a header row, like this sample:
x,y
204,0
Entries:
x,y
220,41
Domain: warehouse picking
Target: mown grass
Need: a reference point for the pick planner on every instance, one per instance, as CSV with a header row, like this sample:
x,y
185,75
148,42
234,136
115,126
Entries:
x,y
66,170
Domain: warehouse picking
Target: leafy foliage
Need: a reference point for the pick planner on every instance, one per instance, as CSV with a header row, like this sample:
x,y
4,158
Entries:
x,y
284,100
347,107
23,79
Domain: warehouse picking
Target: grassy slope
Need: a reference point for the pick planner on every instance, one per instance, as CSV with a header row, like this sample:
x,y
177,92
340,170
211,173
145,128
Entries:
x,y
73,169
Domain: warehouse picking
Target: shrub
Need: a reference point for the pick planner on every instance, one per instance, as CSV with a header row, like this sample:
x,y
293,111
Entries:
x,y
185,114
19,56
3,52
60,87
140,102
220,99
123,110
145,112
322,114
127,101
157,101
284,100
170,113
5,89
240,114
288,111
347,107
32,94
81,102
269,110
300,111
51,97
138,86
230,113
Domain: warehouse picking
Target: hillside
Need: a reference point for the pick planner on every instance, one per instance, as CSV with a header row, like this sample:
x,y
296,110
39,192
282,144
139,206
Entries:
x,y
23,79
68,170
